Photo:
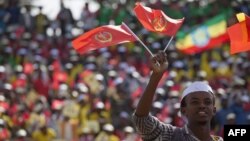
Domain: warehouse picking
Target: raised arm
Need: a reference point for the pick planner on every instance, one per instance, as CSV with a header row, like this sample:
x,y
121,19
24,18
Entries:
x,y
158,69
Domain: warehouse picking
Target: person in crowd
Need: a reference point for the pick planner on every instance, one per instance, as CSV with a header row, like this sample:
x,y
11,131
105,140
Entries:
x,y
41,21
44,133
197,107
38,61
4,132
107,133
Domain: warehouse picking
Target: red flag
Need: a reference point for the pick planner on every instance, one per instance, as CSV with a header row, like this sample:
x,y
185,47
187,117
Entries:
x,y
157,20
59,77
102,37
57,104
28,68
239,34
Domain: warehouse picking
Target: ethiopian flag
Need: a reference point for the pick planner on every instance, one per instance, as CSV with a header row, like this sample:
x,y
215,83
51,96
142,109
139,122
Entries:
x,y
209,35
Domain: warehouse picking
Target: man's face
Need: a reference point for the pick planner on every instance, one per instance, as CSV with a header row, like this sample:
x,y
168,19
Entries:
x,y
199,107
44,130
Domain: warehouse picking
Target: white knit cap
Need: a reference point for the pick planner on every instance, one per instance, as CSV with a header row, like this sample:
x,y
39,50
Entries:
x,y
197,87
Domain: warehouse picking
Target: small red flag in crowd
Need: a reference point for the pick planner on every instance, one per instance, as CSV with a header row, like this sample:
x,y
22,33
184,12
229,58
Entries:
x,y
239,34
157,21
103,36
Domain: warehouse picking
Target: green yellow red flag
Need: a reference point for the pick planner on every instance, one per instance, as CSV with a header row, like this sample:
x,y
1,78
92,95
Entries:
x,y
209,35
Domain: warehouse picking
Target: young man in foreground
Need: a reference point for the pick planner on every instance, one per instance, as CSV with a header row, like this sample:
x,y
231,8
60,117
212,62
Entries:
x,y
197,106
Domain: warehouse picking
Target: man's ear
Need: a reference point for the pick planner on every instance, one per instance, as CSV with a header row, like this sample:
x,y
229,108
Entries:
x,y
183,111
214,110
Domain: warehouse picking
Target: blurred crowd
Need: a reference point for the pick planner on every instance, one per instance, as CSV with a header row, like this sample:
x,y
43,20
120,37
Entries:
x,y
50,92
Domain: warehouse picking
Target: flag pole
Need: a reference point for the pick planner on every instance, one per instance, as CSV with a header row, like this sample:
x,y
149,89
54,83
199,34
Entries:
x,y
168,43
138,39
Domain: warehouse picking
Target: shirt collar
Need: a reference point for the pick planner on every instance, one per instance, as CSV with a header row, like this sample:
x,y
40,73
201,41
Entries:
x,y
187,131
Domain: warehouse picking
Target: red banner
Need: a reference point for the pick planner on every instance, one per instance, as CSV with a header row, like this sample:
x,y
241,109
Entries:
x,y
103,36
239,34
157,21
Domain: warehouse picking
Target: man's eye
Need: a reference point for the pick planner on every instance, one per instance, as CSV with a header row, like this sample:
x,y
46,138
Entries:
x,y
208,102
195,102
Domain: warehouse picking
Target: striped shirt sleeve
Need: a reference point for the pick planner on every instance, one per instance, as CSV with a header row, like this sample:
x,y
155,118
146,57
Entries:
x,y
150,128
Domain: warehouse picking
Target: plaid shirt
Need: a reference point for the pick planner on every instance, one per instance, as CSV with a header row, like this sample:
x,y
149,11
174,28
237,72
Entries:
x,y
151,129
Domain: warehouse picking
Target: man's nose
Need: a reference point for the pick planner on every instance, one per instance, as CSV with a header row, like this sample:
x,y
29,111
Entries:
x,y
202,105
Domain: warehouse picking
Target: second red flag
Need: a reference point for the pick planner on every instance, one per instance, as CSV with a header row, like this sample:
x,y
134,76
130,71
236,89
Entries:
x,y
157,21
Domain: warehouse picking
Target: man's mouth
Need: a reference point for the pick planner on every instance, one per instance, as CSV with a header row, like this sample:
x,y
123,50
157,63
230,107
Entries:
x,y
202,113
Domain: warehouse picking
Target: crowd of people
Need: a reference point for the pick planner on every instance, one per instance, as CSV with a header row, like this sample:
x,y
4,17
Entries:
x,y
50,92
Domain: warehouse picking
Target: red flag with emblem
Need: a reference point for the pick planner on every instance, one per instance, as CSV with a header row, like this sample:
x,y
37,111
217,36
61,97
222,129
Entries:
x,y
157,21
103,36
